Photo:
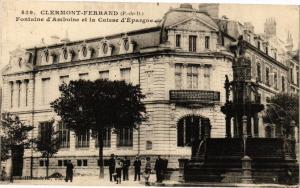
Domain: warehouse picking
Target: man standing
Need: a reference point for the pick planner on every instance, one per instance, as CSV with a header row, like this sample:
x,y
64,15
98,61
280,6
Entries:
x,y
69,171
158,168
126,164
137,168
111,167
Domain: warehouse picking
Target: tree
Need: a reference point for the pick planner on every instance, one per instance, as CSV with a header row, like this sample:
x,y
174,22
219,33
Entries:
x,y
47,143
98,105
282,109
15,135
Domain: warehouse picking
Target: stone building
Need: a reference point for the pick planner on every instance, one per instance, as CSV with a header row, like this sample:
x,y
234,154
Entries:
x,y
180,65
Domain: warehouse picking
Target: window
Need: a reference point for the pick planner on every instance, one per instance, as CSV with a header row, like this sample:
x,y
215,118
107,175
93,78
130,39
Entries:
x,y
192,43
11,94
258,71
258,45
65,162
26,92
126,44
207,42
84,51
206,80
106,138
148,145
105,48
178,76
81,162
267,50
45,90
178,38
275,55
267,76
104,74
125,75
59,163
45,130
64,135
64,79
105,161
291,75
283,83
125,137
19,92
83,139
55,58
83,76
41,162
192,76
275,80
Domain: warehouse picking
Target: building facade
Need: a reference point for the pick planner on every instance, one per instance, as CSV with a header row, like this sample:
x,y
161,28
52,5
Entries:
x,y
180,65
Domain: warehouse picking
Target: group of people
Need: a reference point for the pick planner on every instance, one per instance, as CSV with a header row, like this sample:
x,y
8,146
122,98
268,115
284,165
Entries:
x,y
117,166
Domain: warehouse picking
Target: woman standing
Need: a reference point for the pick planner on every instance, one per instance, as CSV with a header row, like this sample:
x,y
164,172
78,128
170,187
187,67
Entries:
x,y
147,171
119,166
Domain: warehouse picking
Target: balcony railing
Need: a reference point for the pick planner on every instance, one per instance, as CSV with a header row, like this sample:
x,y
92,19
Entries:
x,y
197,96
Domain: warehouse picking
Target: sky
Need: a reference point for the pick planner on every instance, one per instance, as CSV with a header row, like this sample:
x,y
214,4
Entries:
x,y
29,34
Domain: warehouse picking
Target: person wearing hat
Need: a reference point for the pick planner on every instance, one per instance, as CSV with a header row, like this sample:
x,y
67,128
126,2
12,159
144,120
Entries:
x,y
111,167
137,168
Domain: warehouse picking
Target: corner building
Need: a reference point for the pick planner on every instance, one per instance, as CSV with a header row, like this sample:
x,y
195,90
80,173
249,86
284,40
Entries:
x,y
180,65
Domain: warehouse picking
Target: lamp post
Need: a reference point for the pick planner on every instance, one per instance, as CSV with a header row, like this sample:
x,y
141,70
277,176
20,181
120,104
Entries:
x,y
246,160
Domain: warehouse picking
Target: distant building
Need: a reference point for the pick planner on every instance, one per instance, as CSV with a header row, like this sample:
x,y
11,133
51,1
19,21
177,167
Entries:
x,y
181,66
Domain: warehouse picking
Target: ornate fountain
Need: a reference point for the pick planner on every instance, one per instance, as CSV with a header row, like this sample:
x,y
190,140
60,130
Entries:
x,y
242,157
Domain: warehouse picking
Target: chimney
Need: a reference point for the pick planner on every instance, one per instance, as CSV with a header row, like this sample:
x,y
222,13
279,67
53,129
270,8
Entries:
x,y
210,9
54,39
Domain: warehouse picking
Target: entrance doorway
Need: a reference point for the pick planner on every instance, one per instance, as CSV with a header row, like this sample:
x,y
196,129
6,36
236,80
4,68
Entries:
x,y
17,160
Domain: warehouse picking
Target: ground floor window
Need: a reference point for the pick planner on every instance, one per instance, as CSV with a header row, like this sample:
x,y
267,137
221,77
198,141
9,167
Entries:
x,y
125,137
64,135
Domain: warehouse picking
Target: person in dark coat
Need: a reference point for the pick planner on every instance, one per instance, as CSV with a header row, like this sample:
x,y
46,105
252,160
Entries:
x,y
111,167
126,164
159,163
69,171
137,168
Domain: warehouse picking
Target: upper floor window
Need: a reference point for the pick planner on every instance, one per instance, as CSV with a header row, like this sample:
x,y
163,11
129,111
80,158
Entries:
x,y
206,80
178,38
192,43
258,45
267,76
64,79
45,129
192,76
283,84
54,58
106,138
125,75
291,75
45,90
207,39
275,55
178,76
258,72
83,76
104,74
267,50
275,80
64,135
26,92
11,94
125,137
83,139
222,40
19,93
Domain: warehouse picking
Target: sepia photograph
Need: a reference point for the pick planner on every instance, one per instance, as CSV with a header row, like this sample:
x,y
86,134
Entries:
x,y
185,94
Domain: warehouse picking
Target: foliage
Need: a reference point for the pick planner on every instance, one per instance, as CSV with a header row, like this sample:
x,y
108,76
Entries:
x,y
282,108
15,133
98,105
